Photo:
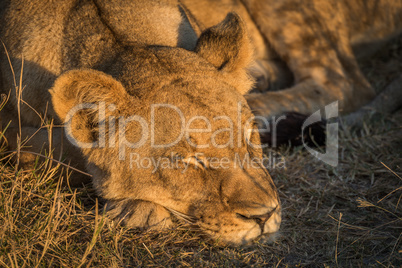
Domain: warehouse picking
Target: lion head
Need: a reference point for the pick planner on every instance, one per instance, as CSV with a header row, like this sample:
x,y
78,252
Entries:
x,y
167,131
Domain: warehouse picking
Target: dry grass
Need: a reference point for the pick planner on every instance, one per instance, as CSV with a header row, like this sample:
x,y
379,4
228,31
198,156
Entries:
x,y
349,216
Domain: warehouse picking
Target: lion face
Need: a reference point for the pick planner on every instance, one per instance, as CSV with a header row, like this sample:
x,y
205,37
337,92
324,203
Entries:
x,y
170,133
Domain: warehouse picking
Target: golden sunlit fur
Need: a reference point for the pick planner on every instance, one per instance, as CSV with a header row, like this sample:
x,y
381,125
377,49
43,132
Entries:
x,y
309,49
119,59
99,67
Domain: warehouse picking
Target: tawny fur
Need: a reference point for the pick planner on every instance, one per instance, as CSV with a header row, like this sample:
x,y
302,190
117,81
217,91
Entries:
x,y
316,42
117,55
129,55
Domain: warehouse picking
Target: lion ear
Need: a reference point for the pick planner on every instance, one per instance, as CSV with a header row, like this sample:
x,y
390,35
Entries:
x,y
227,47
81,96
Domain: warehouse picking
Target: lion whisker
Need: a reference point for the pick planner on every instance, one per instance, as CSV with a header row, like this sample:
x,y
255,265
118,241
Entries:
x,y
185,217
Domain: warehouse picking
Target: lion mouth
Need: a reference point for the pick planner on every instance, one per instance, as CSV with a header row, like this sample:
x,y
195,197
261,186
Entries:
x,y
251,227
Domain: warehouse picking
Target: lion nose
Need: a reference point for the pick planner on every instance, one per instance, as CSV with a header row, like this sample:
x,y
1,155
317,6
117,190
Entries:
x,y
261,219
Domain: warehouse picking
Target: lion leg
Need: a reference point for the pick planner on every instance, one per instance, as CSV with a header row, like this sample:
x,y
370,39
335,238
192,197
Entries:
x,y
387,102
318,54
139,214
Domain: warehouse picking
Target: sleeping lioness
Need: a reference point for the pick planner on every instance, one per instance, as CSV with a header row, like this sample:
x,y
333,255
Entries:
x,y
151,95
156,114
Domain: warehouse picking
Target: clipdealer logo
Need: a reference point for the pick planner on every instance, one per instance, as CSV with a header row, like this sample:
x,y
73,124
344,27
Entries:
x,y
112,130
